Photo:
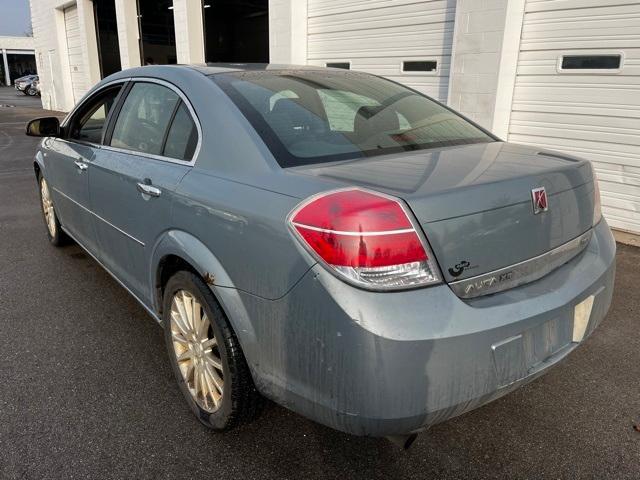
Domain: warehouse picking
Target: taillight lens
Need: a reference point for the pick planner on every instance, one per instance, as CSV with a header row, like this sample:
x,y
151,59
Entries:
x,y
597,207
365,237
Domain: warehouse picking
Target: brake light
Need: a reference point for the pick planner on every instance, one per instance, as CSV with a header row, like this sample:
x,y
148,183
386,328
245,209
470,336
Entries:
x,y
366,237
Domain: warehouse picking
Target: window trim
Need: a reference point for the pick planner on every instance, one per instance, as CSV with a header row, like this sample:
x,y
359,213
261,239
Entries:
x,y
434,72
77,109
192,112
113,116
589,71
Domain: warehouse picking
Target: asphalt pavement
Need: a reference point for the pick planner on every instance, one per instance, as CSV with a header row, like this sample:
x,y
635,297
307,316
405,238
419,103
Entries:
x,y
86,390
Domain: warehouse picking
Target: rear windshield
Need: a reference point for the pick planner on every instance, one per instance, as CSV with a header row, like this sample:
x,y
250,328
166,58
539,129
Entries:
x,y
314,116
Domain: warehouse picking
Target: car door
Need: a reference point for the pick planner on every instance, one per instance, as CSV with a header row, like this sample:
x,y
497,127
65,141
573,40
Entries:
x,y
68,161
149,148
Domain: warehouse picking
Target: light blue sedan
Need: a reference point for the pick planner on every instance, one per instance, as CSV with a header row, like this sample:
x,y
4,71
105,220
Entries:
x,y
331,240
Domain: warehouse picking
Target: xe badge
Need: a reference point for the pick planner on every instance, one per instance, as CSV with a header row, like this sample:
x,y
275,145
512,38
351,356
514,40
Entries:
x,y
540,202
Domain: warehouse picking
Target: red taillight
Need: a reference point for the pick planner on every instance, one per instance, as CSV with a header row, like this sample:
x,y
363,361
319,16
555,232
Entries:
x,y
366,237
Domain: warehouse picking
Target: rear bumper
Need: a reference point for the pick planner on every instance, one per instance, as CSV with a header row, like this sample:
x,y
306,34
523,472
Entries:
x,y
391,363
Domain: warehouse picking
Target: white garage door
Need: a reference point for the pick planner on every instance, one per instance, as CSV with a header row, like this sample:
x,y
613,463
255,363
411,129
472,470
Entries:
x,y
380,36
74,48
578,91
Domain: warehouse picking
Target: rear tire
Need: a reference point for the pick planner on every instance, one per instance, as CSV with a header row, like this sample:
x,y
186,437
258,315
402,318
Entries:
x,y
55,234
212,372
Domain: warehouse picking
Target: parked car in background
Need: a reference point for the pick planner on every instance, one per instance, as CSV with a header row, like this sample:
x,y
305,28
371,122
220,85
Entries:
x,y
24,84
332,240
34,88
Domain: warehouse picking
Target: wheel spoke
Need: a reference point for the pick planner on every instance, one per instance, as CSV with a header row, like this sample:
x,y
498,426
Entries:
x,y
182,311
179,338
196,316
214,362
188,310
210,387
204,327
212,342
186,355
178,321
217,381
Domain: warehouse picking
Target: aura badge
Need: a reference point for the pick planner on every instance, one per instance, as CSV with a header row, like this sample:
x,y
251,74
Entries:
x,y
540,201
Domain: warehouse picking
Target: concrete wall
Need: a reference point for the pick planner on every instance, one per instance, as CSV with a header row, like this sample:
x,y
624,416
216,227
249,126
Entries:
x,y
17,43
485,54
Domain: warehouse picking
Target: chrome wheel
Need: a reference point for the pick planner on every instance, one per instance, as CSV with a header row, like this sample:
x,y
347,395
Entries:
x,y
196,350
47,208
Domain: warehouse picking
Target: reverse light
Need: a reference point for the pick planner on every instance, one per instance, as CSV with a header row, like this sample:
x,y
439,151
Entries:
x,y
597,207
366,238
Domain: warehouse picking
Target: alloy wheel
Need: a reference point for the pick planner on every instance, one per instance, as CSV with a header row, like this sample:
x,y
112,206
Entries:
x,y
197,351
47,208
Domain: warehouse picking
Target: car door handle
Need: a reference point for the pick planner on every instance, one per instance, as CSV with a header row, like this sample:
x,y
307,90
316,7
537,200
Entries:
x,y
149,189
81,165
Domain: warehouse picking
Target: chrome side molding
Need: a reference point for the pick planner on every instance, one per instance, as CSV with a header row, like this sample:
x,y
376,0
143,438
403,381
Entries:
x,y
521,273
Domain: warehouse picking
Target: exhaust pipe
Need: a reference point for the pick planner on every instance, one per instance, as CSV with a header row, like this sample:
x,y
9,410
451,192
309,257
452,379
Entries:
x,y
403,441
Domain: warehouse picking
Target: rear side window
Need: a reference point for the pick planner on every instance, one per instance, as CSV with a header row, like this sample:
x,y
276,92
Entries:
x,y
144,118
182,136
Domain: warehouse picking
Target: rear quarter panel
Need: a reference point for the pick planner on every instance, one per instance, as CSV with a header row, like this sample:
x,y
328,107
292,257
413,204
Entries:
x,y
245,228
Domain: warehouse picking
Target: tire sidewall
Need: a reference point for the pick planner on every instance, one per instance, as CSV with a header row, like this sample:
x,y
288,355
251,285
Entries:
x,y
219,419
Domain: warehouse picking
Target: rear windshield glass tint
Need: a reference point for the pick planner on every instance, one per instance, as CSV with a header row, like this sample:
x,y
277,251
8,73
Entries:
x,y
309,116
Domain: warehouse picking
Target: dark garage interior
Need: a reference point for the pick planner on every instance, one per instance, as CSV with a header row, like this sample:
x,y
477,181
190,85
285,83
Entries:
x,y
107,36
157,32
236,30
21,64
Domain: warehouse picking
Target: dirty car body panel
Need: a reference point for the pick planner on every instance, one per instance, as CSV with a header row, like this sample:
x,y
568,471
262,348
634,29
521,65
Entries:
x,y
368,361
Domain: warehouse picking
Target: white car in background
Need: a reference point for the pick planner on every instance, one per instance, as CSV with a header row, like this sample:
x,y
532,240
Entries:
x,y
26,85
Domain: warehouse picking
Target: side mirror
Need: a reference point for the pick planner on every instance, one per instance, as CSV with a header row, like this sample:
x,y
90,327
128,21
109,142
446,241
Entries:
x,y
44,127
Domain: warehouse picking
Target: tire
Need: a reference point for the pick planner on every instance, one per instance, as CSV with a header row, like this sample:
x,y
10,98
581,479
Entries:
x,y
55,234
239,402
31,92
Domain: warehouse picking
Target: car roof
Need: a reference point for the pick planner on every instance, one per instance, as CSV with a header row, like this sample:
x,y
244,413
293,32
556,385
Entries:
x,y
215,68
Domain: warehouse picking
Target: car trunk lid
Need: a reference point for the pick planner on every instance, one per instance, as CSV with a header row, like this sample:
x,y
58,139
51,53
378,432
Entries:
x,y
474,203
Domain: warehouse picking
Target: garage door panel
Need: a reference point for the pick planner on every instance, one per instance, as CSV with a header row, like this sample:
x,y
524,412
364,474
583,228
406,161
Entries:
x,y
577,132
616,26
576,27
578,108
615,153
562,43
553,9
79,80
377,36
319,8
564,5
602,123
388,17
398,43
532,64
550,92
552,78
